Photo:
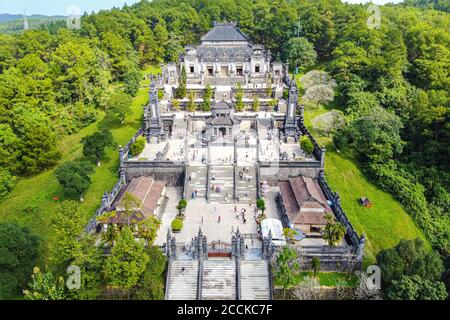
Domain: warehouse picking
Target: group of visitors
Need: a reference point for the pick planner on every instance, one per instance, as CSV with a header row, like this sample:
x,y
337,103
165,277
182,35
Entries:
x,y
244,176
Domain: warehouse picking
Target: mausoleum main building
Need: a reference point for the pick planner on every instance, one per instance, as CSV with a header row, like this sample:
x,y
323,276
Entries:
x,y
226,56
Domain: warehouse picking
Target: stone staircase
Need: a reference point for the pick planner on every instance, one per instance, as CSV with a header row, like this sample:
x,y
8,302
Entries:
x,y
198,181
219,280
224,179
255,280
244,188
183,285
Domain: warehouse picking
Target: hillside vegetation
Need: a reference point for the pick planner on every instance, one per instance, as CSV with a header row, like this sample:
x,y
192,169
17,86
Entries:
x,y
61,88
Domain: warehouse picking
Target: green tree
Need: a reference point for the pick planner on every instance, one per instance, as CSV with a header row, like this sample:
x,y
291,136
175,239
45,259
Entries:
x,y
19,251
333,231
409,257
182,204
38,142
94,145
374,137
7,182
239,96
132,81
127,262
67,226
74,177
261,205
191,102
207,96
286,269
315,264
89,258
148,229
290,234
151,284
255,104
131,205
119,106
44,286
182,91
300,52
416,288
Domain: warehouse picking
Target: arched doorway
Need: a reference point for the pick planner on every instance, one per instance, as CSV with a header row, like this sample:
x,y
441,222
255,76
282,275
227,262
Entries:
x,y
223,131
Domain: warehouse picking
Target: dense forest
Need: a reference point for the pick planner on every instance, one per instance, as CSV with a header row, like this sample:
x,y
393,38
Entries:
x,y
393,82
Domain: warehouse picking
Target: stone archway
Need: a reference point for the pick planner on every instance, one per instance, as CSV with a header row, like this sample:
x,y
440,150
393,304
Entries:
x,y
223,131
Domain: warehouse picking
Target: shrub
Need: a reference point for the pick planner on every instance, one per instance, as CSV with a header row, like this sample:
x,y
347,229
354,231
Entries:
x,y
6,182
138,146
306,145
177,225
74,177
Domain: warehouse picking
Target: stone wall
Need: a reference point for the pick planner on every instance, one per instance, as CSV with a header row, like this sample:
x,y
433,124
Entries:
x,y
167,171
283,170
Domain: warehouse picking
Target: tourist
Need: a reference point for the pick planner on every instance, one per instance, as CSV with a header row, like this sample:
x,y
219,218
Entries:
x,y
218,220
183,269
245,221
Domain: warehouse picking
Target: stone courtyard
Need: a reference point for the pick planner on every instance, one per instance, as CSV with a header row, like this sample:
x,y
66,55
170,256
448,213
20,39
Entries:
x,y
201,214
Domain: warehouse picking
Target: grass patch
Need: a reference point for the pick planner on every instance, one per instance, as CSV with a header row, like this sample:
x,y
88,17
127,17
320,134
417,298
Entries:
x,y
386,223
330,279
31,202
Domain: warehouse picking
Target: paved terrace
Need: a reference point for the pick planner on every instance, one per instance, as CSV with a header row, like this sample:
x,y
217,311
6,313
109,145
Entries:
x,y
210,212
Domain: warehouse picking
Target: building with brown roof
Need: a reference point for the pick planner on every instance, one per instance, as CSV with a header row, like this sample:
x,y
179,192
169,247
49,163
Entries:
x,y
304,204
150,194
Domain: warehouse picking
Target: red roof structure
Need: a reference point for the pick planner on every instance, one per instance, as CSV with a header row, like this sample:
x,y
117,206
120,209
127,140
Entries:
x,y
304,201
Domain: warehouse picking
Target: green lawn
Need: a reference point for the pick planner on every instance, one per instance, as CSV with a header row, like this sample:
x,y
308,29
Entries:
x,y
330,279
384,224
31,203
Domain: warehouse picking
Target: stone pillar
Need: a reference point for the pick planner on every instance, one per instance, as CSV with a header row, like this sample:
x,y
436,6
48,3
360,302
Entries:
x,y
233,247
105,199
337,199
167,247
360,249
205,248
322,157
173,248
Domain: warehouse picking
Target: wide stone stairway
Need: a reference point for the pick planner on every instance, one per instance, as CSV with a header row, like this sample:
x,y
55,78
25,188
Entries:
x,y
255,280
246,191
224,180
198,181
219,280
183,285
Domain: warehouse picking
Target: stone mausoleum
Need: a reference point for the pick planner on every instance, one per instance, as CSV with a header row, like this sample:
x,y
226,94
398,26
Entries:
x,y
221,161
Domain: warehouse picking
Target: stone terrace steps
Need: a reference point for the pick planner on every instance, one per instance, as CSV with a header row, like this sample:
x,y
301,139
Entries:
x,y
183,285
243,187
198,181
224,179
219,280
255,280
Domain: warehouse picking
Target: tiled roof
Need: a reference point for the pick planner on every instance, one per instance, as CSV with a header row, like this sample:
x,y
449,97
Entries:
x,y
224,32
304,201
148,192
